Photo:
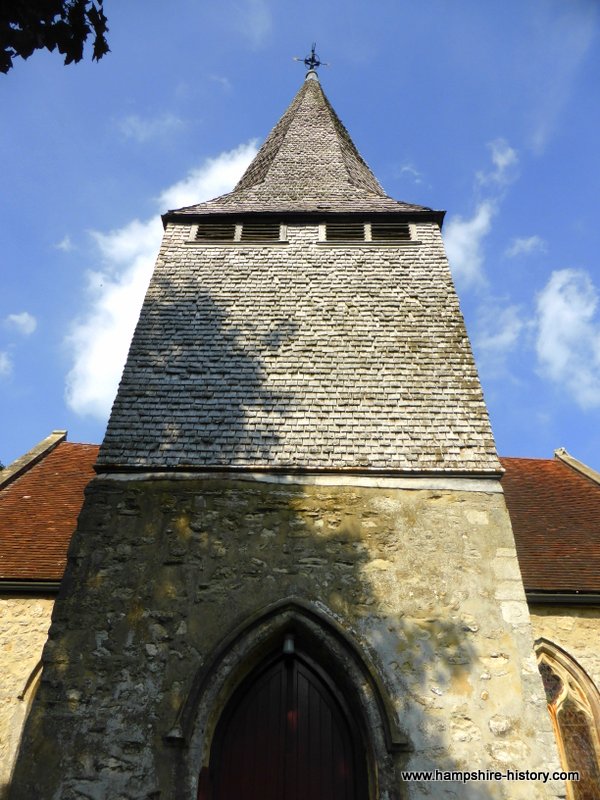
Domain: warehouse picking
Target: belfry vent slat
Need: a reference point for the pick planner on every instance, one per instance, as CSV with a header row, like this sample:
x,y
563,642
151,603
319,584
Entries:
x,y
260,231
390,232
345,231
215,232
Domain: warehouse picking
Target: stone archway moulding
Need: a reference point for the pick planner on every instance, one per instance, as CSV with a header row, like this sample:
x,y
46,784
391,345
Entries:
x,y
246,646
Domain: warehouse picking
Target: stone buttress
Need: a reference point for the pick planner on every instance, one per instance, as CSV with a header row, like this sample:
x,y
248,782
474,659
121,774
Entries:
x,y
299,448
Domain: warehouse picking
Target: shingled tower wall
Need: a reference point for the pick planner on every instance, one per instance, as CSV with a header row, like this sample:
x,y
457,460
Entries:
x,y
299,446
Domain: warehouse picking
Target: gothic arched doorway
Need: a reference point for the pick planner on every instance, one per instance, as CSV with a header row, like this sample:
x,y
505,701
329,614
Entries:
x,y
286,734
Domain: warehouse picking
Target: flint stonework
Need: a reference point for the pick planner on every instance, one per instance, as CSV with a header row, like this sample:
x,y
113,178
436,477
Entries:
x,y
161,571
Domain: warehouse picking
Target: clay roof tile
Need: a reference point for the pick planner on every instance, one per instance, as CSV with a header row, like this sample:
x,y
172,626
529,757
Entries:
x,y
39,510
555,515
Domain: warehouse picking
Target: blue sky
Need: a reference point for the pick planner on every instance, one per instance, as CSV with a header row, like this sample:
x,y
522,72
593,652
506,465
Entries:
x,y
488,110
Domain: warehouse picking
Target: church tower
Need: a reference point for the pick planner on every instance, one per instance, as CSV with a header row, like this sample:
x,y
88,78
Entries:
x,y
294,575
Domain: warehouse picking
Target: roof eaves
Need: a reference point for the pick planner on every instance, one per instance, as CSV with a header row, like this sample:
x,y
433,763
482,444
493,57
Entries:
x,y
114,467
562,598
32,457
27,586
423,214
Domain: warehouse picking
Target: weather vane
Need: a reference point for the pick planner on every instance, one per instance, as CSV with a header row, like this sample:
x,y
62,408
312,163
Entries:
x,y
312,61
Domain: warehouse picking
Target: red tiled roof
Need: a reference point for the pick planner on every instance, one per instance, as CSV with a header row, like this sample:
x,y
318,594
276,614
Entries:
x,y
554,509
39,510
555,515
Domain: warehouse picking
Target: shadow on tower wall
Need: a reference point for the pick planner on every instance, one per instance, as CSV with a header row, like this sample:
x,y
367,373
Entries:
x,y
163,568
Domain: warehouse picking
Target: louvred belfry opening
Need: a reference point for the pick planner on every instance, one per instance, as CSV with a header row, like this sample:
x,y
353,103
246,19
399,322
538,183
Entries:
x,y
286,735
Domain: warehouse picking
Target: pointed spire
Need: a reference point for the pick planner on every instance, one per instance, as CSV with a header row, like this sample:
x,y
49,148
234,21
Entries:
x,y
309,154
308,163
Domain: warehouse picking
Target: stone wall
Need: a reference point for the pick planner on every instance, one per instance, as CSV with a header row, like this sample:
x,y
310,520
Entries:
x,y
161,572
24,623
575,629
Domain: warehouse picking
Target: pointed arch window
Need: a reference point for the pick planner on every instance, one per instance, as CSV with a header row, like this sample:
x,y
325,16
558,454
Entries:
x,y
574,706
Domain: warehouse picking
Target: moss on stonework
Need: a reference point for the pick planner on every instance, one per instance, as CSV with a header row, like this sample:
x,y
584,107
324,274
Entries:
x,y
162,571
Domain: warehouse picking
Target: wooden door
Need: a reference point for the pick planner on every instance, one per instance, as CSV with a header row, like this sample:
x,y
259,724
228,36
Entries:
x,y
287,735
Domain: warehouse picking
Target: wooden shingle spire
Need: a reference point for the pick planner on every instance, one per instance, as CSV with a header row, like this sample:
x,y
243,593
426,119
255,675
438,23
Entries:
x,y
308,163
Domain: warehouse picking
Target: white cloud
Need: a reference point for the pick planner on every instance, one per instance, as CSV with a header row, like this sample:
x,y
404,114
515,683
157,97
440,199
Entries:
x,y
464,237
254,21
526,245
142,130
5,364
24,323
410,171
464,244
99,340
568,334
500,329
560,42
215,177
505,161
124,245
222,81
65,244
498,333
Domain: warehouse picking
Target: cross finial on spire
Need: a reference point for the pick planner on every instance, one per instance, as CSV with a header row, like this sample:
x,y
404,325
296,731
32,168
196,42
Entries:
x,y
312,61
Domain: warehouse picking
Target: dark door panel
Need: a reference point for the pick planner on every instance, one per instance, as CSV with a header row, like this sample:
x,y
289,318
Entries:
x,y
286,735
